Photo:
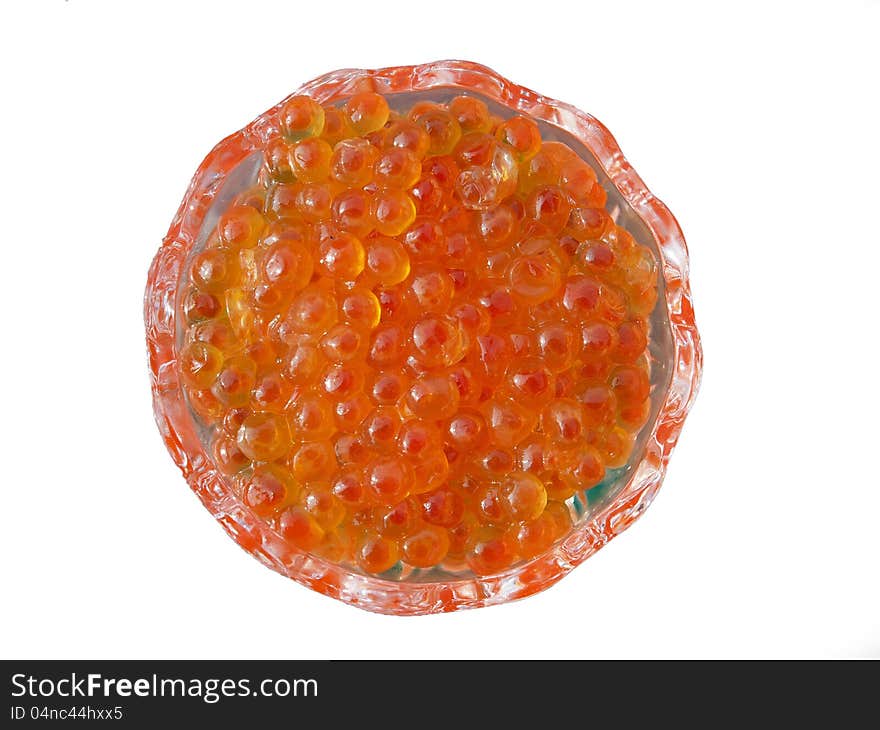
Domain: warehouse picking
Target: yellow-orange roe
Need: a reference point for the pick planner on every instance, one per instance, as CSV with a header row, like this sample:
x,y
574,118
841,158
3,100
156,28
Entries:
x,y
418,336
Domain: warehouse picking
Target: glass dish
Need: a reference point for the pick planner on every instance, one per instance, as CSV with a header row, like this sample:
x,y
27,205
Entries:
x,y
600,513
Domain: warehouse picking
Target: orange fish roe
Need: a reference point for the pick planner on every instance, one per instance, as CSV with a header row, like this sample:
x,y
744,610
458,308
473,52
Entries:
x,y
418,336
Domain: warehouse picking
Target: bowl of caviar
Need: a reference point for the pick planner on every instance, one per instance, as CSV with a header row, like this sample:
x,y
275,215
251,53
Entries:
x,y
420,338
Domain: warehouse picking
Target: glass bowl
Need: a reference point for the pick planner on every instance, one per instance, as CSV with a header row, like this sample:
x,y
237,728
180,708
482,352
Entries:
x,y
598,514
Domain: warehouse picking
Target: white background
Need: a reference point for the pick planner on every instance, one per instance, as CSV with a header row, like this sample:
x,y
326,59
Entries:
x,y
757,125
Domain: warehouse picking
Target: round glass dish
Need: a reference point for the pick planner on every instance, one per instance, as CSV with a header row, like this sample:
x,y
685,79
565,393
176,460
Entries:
x,y
598,514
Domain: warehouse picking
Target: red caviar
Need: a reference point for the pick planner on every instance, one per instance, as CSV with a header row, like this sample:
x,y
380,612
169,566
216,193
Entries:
x,y
418,335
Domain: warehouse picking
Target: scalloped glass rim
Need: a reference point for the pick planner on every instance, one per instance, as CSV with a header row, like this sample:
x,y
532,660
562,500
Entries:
x,y
376,594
